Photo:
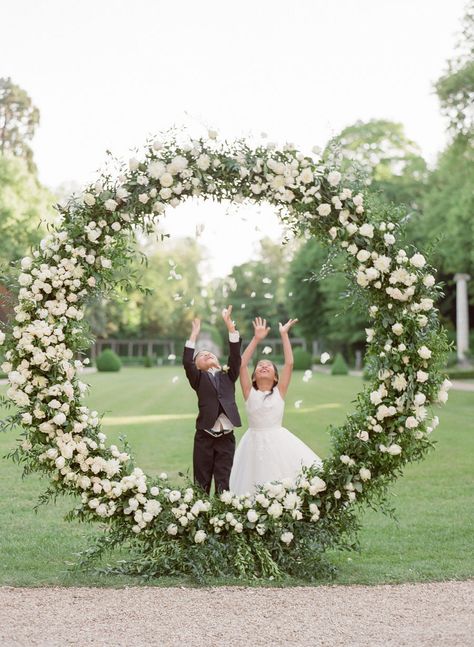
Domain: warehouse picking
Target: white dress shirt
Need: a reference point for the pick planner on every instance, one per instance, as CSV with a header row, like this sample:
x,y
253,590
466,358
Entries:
x,y
222,423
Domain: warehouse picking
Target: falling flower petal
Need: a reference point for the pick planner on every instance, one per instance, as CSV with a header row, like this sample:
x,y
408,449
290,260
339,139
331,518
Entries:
x,y
325,357
266,280
267,350
175,379
298,404
171,356
253,294
243,305
267,295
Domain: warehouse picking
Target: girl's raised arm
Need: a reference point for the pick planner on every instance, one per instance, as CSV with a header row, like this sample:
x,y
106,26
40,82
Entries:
x,y
287,370
260,332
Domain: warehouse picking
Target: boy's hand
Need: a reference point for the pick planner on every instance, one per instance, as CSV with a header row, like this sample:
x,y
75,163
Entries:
x,y
196,327
226,316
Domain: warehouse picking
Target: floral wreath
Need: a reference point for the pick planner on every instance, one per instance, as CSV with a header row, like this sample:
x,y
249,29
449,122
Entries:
x,y
286,526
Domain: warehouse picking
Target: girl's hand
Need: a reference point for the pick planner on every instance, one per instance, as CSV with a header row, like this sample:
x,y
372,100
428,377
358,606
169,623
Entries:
x,y
260,328
284,329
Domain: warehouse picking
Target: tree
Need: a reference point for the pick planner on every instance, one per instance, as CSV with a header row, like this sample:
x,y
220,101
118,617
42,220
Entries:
x,y
392,162
18,121
455,89
25,208
321,299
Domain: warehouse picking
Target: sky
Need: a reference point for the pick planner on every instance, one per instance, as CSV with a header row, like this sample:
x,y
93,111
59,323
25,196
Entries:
x,y
106,74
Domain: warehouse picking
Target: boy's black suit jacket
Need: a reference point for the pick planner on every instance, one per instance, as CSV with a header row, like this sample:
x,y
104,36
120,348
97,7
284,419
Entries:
x,y
213,397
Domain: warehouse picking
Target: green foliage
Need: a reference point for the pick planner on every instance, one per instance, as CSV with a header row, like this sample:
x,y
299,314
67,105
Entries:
x,y
25,209
339,366
148,362
455,88
302,359
461,374
108,360
18,119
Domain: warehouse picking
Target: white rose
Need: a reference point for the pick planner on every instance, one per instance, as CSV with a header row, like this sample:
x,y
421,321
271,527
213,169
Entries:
x,y
394,449
367,230
397,328
2,337
443,396
411,422
375,397
26,263
252,516
203,162
287,537
156,169
365,474
418,260
306,175
166,179
382,263
389,239
110,205
133,164
421,376
429,281
358,201
324,209
426,304
363,255
422,320
199,537
363,435
89,199
143,198
420,398
172,529
424,352
165,193
334,178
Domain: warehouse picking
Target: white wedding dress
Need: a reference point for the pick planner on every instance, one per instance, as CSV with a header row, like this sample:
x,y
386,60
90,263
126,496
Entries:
x,y
267,451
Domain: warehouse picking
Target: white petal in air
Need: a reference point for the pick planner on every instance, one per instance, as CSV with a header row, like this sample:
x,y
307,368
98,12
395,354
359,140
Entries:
x,y
325,357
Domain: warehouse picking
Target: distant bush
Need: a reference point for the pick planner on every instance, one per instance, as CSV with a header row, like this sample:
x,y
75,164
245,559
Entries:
x,y
108,360
302,360
148,361
461,374
339,367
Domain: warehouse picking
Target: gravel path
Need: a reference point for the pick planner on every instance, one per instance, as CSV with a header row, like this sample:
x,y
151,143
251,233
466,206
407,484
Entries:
x,y
418,615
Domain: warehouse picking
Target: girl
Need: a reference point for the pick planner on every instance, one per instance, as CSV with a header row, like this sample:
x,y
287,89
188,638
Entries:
x,y
267,451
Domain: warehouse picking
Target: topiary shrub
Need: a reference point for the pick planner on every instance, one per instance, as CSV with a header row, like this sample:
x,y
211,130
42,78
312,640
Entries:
x,y
108,361
147,361
339,367
302,360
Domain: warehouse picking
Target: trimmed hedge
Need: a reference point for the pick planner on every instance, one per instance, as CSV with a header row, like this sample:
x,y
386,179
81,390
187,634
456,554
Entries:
x,y
339,367
108,360
461,374
302,360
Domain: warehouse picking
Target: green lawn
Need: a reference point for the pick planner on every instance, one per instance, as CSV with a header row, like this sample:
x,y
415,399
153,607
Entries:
x,y
434,499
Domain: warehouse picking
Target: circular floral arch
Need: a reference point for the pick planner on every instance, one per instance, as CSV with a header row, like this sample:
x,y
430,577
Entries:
x,y
286,526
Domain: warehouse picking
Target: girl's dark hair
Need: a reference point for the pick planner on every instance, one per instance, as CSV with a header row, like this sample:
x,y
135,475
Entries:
x,y
275,382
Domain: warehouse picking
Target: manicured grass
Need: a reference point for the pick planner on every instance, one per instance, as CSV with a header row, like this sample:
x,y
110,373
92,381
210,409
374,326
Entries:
x,y
434,499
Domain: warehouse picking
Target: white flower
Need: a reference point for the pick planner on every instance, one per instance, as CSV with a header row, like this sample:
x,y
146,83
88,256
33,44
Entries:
x,y
442,396
411,422
252,516
375,397
397,328
174,496
429,281
358,201
287,537
267,350
365,474
172,529
212,134
306,175
334,178
226,497
394,449
363,255
363,435
2,337
324,209
59,418
426,304
203,162
418,260
424,352
166,179
110,204
382,263
133,164
88,199
419,399
421,376
199,537
298,404
447,384
143,198
399,382
324,358
275,510
366,230
389,239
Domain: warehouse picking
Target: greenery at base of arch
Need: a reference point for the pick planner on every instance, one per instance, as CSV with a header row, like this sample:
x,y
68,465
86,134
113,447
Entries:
x,y
286,527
